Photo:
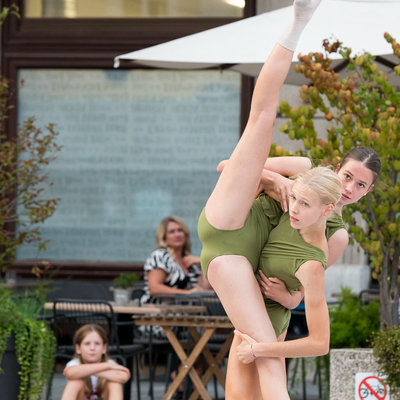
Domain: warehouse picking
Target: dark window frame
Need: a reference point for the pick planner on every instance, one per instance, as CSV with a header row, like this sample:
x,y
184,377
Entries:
x,y
92,43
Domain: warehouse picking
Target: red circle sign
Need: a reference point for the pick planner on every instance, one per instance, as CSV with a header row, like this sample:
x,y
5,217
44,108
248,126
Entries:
x,y
372,388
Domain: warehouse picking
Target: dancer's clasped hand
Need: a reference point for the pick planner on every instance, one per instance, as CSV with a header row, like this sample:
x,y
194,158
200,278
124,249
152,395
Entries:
x,y
277,186
244,351
276,290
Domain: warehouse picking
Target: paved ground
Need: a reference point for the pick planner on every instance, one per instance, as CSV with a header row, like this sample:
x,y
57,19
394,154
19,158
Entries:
x,y
294,384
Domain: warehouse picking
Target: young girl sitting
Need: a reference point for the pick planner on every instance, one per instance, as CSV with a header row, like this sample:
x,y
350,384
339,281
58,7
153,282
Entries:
x,y
91,374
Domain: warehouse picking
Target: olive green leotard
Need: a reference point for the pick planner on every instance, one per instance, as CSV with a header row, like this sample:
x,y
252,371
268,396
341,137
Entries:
x,y
334,223
283,254
281,257
247,241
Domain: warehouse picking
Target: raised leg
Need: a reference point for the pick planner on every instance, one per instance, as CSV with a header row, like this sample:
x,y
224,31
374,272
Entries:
x,y
233,195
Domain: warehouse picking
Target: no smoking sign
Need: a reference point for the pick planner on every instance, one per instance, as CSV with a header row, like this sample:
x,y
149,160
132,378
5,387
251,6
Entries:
x,y
370,386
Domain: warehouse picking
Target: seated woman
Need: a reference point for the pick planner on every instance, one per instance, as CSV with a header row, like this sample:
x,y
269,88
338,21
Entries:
x,y
171,268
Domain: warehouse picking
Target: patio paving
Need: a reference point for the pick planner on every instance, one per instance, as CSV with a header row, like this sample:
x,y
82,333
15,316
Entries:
x,y
296,391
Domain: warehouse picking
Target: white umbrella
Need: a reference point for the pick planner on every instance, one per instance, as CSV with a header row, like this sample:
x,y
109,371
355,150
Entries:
x,y
244,45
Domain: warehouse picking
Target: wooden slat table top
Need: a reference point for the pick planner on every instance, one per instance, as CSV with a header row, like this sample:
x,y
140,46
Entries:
x,y
135,309
205,321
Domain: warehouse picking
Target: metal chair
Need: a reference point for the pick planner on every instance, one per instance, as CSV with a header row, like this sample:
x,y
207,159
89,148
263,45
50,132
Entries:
x,y
69,315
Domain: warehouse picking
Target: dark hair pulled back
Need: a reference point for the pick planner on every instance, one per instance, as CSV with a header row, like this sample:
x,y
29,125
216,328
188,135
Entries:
x,y
367,156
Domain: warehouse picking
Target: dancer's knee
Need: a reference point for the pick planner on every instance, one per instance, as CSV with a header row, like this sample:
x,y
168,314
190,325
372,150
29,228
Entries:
x,y
221,269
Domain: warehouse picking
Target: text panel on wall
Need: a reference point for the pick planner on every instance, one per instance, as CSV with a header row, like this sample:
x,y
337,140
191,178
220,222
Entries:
x,y
136,146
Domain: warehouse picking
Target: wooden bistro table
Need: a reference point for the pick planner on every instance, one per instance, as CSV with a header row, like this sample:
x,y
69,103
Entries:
x,y
208,325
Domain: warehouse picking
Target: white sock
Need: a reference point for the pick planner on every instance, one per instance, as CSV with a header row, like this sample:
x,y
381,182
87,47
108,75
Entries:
x,y
303,11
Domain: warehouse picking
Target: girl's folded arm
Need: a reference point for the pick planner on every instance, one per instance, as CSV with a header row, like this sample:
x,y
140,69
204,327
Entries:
x,y
112,375
84,370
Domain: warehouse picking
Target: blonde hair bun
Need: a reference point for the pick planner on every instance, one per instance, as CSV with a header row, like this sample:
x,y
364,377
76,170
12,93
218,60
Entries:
x,y
323,181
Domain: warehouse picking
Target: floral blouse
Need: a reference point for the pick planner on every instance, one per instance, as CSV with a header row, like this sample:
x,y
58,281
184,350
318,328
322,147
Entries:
x,y
176,276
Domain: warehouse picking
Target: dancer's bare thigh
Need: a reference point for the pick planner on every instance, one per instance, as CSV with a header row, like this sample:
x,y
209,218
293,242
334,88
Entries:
x,y
233,279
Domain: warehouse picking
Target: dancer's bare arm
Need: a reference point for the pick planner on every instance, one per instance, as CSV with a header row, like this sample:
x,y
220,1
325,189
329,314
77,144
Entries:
x,y
311,275
274,177
336,246
287,166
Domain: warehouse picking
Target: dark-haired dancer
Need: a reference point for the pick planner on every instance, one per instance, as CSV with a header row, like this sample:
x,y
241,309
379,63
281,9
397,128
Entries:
x,y
358,171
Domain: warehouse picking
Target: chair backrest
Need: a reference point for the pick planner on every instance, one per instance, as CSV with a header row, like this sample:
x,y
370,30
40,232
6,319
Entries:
x,y
69,315
177,299
79,290
207,299
213,304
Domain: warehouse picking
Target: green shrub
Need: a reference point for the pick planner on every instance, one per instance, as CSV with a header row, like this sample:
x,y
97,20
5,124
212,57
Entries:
x,y
35,343
386,346
353,323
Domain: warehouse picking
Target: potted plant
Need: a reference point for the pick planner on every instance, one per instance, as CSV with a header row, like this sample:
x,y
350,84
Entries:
x,y
123,287
362,108
27,347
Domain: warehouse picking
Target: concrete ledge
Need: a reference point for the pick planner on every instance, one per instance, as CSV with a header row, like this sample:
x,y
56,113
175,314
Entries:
x,y
344,364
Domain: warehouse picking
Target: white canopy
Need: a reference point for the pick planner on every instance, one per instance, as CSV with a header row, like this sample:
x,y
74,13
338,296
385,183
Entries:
x,y
244,45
